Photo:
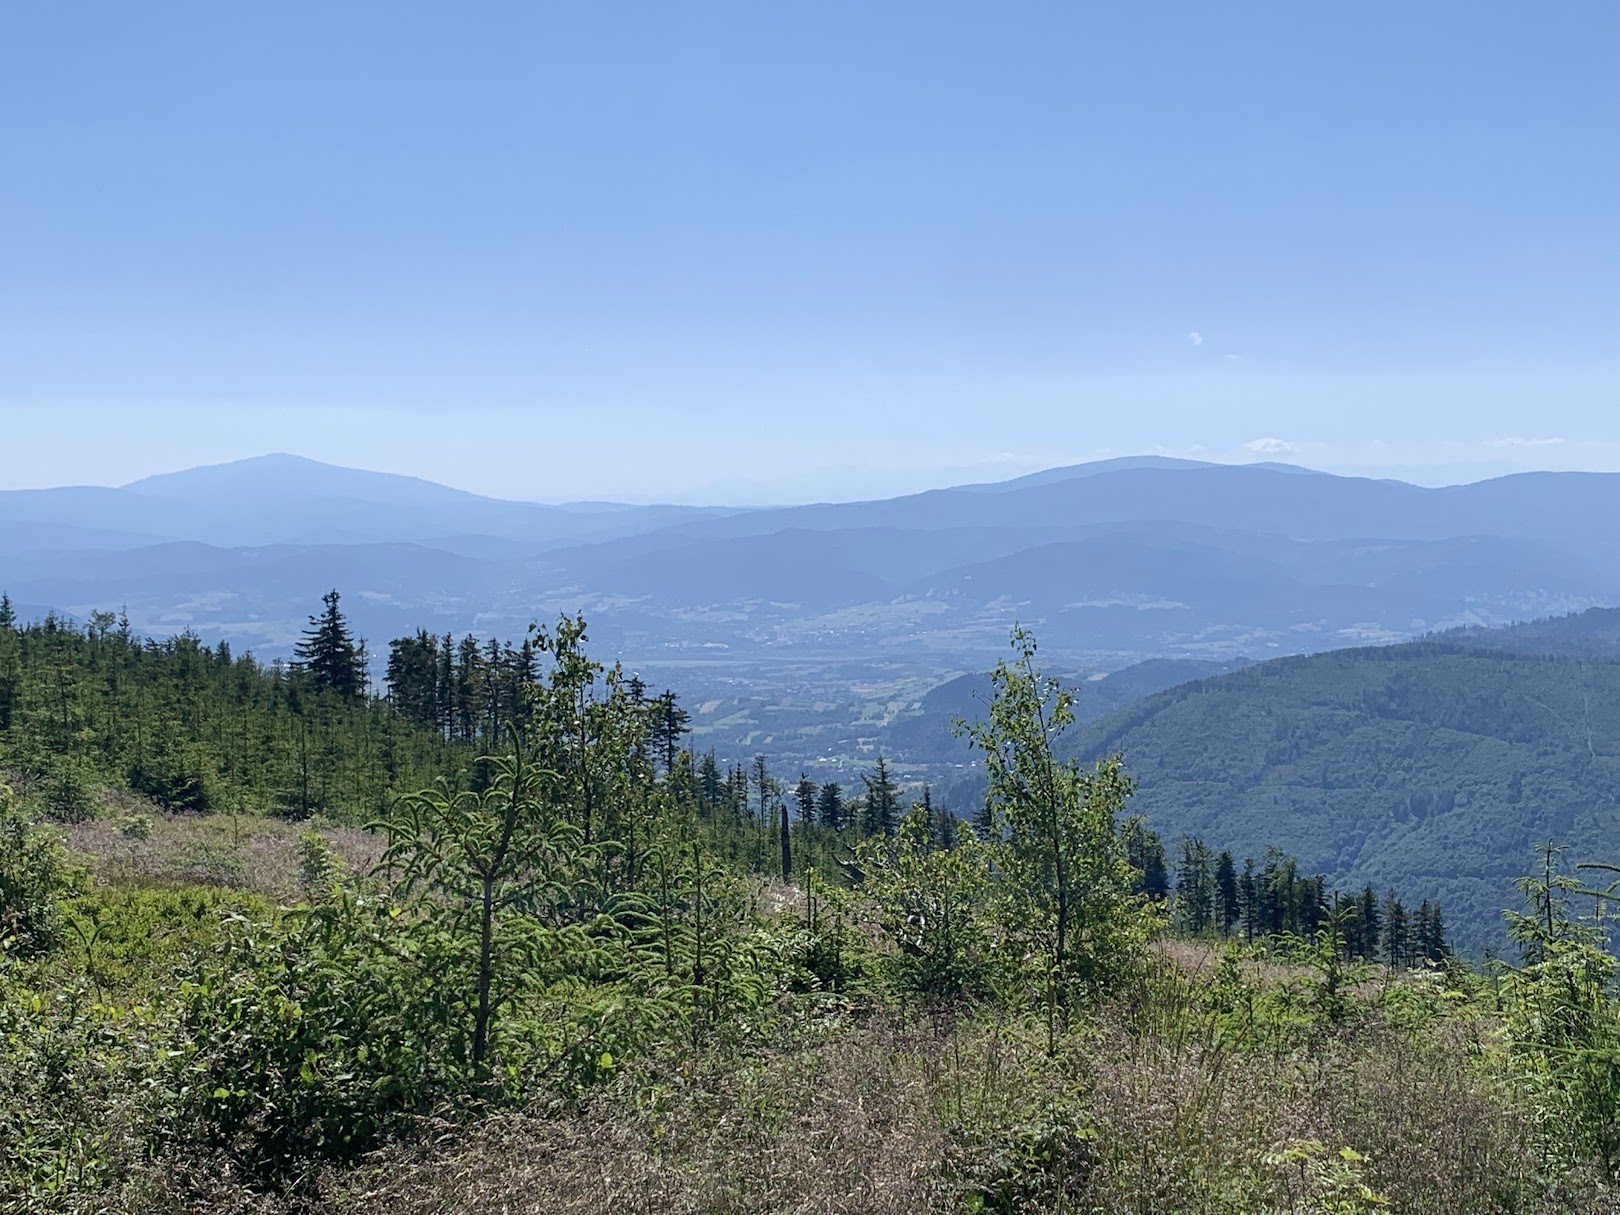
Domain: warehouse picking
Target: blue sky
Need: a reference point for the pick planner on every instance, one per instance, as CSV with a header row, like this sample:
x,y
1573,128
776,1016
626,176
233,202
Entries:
x,y
772,252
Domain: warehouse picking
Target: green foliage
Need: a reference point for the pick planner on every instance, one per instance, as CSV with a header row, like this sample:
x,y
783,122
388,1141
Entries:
x,y
329,653
319,869
936,907
592,921
1331,973
492,878
131,940
1042,1163
305,1039
81,1088
1563,1019
33,879
1070,903
65,793
499,949
1321,1182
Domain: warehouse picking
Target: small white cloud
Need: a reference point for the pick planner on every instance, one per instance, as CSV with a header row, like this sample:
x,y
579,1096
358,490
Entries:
x,y
1269,446
1524,441
1195,338
1230,358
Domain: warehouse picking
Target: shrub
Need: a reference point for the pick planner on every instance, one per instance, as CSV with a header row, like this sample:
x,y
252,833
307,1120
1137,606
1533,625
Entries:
x,y
302,1040
78,1094
174,779
33,877
65,794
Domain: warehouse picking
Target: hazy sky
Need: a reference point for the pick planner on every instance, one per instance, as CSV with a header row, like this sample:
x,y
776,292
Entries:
x,y
775,251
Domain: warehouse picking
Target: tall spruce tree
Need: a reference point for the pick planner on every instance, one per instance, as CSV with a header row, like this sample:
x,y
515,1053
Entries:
x,y
668,726
785,830
1397,935
1226,893
1195,886
1249,901
830,806
882,801
328,652
804,798
1144,853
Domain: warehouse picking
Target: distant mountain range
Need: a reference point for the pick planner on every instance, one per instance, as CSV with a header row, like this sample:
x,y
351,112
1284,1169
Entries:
x,y
1112,562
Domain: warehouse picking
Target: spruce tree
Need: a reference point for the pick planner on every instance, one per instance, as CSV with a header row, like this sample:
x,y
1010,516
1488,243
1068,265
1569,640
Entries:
x,y
804,797
830,806
1226,893
669,726
941,822
1370,923
711,785
329,654
1144,852
764,786
1397,945
785,824
882,801
1195,886
1249,901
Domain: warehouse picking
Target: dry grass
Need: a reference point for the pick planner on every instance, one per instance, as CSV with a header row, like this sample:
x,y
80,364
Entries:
x,y
245,853
845,1127
886,1119
916,1118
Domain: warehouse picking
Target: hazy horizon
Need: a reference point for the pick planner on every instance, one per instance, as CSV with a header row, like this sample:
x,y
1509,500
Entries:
x,y
946,478
741,253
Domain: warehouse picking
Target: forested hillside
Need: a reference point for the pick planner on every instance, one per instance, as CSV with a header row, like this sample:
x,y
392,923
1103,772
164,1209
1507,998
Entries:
x,y
1435,767
1593,634
198,728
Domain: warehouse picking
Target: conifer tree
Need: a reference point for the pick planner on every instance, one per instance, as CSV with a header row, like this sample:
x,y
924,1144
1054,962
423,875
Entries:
x,y
711,785
785,827
412,678
1226,893
669,726
830,806
941,822
329,654
1370,923
1397,945
882,801
467,681
804,798
1195,886
1249,901
764,786
1144,852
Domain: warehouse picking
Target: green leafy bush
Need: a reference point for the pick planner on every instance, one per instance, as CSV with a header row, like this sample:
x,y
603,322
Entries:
x,y
936,907
33,878
303,1039
81,1091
